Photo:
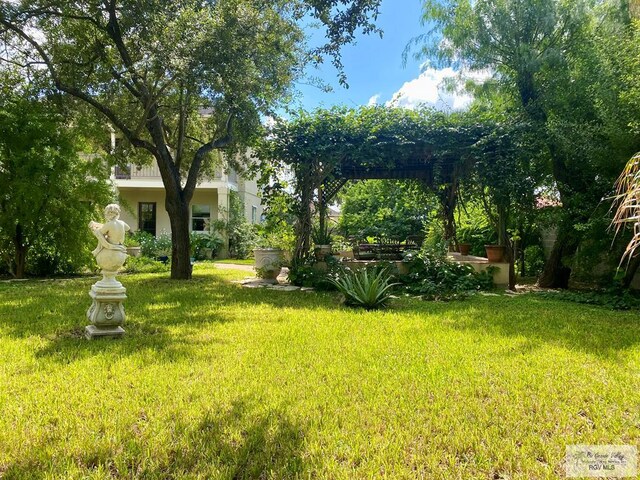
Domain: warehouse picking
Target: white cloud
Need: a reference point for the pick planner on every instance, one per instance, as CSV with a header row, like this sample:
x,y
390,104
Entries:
x,y
374,100
430,89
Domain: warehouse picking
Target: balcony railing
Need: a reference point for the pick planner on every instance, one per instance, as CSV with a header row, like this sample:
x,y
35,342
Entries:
x,y
153,172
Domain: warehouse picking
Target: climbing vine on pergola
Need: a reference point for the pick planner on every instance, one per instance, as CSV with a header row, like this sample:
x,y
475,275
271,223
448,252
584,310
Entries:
x,y
325,149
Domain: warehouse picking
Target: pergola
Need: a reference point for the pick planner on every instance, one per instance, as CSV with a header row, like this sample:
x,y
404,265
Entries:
x,y
328,148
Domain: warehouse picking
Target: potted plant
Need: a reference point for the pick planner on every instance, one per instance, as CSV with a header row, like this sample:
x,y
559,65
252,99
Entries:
x,y
133,246
495,253
321,237
464,247
212,242
269,256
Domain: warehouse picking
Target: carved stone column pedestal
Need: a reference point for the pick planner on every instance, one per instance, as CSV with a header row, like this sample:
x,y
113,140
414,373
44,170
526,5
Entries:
x,y
106,312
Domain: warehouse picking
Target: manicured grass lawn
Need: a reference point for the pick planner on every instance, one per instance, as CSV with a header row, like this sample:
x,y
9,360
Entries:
x,y
237,261
216,381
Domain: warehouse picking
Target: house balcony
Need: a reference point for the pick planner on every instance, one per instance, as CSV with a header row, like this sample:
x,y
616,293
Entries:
x,y
148,176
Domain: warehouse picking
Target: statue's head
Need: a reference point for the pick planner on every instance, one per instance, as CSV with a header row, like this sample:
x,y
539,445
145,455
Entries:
x,y
112,211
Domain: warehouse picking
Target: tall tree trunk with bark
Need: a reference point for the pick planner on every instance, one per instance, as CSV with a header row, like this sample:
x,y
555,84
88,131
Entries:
x,y
178,211
503,239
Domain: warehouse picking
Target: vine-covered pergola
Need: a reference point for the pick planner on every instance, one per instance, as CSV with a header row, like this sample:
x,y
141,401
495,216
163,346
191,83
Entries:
x,y
325,149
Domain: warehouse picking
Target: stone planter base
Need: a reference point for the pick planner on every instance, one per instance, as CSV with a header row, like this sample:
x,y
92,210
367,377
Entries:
x,y
91,332
106,313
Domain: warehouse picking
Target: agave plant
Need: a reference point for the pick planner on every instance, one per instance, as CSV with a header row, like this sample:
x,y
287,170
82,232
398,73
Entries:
x,y
627,204
365,288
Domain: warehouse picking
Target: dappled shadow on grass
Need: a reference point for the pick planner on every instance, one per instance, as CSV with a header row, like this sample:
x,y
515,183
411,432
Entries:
x,y
165,315
593,330
243,442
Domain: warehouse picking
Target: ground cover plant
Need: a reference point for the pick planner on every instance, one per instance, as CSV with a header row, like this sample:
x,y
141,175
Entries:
x,y
217,381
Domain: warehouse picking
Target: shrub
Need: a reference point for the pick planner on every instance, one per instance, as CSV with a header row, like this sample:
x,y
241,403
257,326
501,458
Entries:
x,y
196,245
614,299
305,273
147,243
242,237
145,265
433,276
367,288
533,260
163,245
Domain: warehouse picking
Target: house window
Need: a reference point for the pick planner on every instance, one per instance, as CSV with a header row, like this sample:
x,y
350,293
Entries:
x,y
147,217
200,218
254,214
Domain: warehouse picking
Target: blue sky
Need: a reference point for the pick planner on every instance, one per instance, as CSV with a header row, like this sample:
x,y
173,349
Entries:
x,y
375,69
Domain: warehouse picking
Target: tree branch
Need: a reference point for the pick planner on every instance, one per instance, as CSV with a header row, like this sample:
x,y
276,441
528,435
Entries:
x,y
222,142
75,92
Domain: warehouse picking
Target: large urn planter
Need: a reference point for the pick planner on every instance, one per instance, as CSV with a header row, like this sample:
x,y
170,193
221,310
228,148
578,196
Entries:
x,y
134,251
321,252
465,248
268,262
495,253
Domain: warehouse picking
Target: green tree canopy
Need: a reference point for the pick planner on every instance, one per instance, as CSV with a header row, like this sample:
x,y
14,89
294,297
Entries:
x,y
179,80
307,153
48,193
389,208
550,64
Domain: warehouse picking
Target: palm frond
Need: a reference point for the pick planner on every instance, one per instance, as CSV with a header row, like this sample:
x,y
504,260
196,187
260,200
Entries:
x,y
627,204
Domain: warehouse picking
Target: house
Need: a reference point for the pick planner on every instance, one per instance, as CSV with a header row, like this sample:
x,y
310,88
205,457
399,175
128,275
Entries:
x,y
142,198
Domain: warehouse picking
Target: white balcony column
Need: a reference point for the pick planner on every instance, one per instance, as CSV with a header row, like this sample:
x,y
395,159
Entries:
x,y
223,214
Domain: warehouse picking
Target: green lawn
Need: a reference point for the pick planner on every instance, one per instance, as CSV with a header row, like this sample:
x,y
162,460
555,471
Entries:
x,y
237,261
217,381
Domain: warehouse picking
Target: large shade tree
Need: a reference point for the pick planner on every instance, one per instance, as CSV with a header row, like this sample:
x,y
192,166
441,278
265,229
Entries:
x,y
543,54
179,80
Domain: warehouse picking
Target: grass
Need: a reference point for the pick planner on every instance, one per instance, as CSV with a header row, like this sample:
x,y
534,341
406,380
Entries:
x,y
237,261
216,381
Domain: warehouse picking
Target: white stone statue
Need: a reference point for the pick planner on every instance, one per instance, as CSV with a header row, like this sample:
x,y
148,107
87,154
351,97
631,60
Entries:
x,y
110,253
106,312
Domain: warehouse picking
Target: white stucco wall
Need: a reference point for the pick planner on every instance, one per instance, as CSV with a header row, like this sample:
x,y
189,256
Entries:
x,y
130,198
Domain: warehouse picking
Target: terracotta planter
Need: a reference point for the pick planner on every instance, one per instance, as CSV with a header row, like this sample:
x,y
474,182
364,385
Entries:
x,y
495,253
465,248
321,251
268,262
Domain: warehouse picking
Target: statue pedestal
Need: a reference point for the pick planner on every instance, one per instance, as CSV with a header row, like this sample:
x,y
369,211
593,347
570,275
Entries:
x,y
106,312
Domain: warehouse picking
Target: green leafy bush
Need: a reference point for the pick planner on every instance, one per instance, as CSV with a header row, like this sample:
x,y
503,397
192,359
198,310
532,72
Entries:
x,y
146,241
533,260
614,299
163,245
145,265
305,273
367,288
433,276
242,235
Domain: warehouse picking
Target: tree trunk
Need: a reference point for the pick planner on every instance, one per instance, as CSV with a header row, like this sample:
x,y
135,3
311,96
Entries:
x,y
448,201
503,239
632,268
303,225
555,274
178,210
21,252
